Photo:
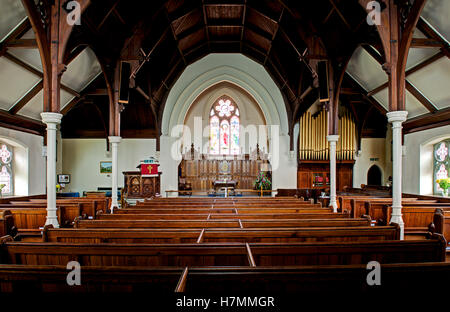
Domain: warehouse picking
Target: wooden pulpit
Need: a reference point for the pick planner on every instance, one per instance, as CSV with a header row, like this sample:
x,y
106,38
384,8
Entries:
x,y
138,186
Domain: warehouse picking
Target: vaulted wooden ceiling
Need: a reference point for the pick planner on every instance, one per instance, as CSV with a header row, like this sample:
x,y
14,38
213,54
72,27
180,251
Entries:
x,y
285,36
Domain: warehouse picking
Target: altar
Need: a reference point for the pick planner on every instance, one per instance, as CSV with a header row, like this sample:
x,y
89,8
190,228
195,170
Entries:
x,y
206,173
224,184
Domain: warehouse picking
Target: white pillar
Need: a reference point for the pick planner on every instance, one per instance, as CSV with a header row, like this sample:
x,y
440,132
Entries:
x,y
333,140
397,118
114,140
52,120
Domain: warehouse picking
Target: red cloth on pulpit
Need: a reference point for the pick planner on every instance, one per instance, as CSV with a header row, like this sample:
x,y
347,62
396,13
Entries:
x,y
149,170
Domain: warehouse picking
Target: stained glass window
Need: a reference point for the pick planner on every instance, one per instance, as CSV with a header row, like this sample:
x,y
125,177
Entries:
x,y
224,128
6,176
441,166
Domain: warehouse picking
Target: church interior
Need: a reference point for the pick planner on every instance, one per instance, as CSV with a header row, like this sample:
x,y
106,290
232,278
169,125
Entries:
x,y
201,146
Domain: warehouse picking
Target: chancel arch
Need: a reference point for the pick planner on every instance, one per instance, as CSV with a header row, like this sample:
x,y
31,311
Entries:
x,y
266,97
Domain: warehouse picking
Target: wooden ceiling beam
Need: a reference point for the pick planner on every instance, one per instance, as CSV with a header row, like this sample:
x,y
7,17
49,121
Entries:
x,y
21,123
429,32
205,22
427,121
113,7
366,95
244,16
340,14
97,92
274,36
75,52
22,44
420,97
23,27
26,98
374,53
177,42
426,43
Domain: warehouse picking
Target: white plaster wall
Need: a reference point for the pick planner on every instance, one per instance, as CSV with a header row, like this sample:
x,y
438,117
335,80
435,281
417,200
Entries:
x,y
370,148
81,159
248,75
418,161
30,165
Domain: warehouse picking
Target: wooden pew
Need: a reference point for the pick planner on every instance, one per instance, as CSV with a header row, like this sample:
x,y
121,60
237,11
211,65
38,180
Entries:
x,y
441,224
129,211
409,278
280,235
32,218
33,280
121,236
340,281
7,224
297,235
417,218
200,224
432,250
230,254
211,216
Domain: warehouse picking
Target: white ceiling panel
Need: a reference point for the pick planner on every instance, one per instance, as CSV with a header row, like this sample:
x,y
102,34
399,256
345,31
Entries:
x,y
33,107
437,13
414,107
434,82
11,14
366,70
82,70
14,82
383,98
28,56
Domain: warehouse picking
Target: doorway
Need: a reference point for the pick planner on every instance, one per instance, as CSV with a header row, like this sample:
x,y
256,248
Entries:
x,y
374,176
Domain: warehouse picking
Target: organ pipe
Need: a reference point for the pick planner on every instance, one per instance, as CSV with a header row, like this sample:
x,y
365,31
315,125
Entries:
x,y
313,144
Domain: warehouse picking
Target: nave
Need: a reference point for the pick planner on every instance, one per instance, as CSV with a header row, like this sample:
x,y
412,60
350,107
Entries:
x,y
210,245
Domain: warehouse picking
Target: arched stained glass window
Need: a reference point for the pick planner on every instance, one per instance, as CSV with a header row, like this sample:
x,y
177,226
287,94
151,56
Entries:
x,y
441,165
6,175
224,128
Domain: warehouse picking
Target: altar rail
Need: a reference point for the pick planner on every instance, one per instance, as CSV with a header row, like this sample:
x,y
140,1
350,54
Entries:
x,y
206,192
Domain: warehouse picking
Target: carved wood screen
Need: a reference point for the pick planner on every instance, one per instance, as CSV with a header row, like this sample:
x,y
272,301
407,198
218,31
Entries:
x,y
201,173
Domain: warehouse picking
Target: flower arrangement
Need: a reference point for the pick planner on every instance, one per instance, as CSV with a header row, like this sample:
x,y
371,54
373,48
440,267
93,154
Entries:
x,y
263,182
1,188
58,188
444,184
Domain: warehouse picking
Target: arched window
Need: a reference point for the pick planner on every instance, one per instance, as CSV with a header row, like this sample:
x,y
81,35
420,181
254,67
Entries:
x,y
224,128
6,174
441,164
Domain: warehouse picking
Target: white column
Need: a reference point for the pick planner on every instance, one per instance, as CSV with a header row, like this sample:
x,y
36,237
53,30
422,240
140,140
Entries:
x,y
333,140
52,120
114,140
397,118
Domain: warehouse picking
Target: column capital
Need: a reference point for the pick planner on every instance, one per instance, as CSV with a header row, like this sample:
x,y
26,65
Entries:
x,y
332,138
114,139
51,118
397,116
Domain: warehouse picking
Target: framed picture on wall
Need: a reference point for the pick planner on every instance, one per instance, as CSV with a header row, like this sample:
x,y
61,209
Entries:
x,y
64,178
105,167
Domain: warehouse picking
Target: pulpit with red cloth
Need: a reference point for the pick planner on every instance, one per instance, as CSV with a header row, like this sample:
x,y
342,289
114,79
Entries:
x,y
144,183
